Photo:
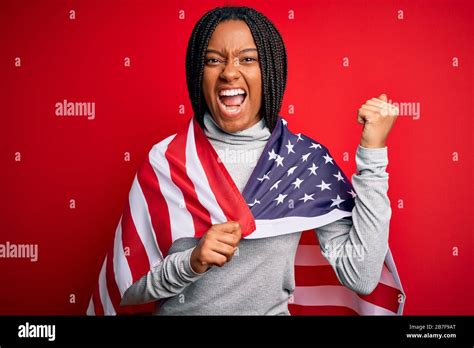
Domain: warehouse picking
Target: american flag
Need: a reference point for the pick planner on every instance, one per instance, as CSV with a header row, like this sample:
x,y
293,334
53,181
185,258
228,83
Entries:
x,y
182,188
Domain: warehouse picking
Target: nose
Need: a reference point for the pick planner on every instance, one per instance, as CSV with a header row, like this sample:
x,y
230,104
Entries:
x,y
231,70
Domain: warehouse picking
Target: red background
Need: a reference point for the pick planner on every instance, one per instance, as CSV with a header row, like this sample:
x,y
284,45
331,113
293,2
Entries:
x,y
65,158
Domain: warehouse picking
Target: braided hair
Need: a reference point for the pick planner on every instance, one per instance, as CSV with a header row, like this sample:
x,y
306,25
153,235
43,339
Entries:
x,y
270,48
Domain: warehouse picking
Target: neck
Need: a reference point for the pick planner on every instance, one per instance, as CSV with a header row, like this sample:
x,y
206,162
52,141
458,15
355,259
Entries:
x,y
256,132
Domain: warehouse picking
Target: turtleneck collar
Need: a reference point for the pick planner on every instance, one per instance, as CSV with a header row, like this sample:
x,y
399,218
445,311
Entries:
x,y
257,132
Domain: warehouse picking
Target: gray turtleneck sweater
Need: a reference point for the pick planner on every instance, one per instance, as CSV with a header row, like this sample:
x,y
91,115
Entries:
x,y
260,277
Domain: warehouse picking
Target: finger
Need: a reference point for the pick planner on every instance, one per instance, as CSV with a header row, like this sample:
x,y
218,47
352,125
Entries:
x,y
383,97
228,238
387,108
229,226
218,259
367,115
371,107
223,249
365,112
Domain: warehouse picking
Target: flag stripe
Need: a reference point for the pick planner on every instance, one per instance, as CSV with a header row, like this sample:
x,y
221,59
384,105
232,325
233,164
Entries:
x,y
235,209
330,295
111,284
90,308
157,207
197,175
181,222
123,274
321,310
142,221
309,237
176,156
98,309
104,293
310,255
137,259
312,276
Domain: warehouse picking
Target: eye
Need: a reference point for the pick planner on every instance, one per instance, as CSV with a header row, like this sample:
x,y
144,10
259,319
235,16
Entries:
x,y
212,61
249,60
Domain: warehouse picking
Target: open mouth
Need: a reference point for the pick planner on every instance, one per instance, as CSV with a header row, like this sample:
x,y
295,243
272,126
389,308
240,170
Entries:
x,y
231,101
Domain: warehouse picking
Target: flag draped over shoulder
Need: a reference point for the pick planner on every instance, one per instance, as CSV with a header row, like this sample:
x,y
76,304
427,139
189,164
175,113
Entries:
x,y
182,188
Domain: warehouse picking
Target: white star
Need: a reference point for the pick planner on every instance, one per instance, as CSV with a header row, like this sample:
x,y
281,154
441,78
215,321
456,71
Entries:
x,y
339,176
312,169
280,198
299,137
305,157
275,185
315,146
290,147
307,197
337,201
272,155
264,177
256,201
352,193
328,159
291,170
297,183
279,160
285,122
324,186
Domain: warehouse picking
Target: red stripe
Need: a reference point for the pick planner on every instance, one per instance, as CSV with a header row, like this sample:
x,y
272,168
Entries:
x,y
99,310
309,238
321,310
176,157
226,192
112,287
315,275
384,296
137,258
157,206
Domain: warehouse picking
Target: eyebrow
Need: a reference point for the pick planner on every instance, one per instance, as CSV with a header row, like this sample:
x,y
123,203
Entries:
x,y
219,53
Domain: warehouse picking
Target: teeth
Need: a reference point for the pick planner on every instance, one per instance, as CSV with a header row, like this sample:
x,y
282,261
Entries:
x,y
231,92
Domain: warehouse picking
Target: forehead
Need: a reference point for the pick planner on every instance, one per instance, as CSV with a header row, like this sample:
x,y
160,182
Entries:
x,y
230,35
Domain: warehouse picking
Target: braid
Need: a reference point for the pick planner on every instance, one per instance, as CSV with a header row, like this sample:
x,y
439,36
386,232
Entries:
x,y
271,51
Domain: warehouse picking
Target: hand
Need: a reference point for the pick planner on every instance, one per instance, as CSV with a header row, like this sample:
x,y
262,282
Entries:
x,y
378,117
216,247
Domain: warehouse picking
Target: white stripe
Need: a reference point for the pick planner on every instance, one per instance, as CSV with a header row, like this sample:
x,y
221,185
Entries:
x,y
123,275
90,308
181,221
310,255
142,221
333,295
198,176
393,269
104,293
292,224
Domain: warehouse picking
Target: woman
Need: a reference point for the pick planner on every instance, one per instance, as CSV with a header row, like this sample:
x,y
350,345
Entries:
x,y
236,73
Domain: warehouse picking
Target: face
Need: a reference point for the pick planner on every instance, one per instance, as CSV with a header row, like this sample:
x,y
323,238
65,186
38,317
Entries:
x,y
232,83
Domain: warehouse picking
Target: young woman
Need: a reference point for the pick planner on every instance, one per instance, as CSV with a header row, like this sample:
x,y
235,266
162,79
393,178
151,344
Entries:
x,y
236,74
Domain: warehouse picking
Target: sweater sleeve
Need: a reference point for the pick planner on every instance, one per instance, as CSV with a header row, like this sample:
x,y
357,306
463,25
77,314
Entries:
x,y
356,247
166,279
